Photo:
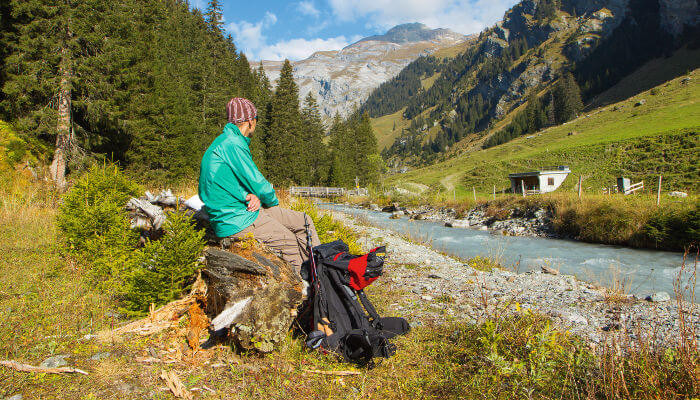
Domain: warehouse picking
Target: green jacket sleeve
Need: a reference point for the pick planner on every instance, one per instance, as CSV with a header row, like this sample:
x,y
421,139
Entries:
x,y
238,157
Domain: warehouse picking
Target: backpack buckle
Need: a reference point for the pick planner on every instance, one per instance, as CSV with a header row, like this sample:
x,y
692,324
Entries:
x,y
314,339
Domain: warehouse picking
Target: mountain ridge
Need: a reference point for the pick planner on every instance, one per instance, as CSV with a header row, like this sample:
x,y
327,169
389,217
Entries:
x,y
342,79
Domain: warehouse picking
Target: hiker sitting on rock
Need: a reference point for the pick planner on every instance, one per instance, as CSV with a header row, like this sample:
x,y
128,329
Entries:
x,y
233,191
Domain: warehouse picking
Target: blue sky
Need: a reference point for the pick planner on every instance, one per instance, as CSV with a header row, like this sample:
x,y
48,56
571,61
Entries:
x,y
275,30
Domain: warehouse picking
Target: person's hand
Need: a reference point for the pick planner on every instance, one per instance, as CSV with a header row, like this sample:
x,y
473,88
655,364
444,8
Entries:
x,y
253,202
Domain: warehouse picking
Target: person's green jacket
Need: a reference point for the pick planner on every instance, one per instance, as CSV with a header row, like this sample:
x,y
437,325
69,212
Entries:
x,y
227,175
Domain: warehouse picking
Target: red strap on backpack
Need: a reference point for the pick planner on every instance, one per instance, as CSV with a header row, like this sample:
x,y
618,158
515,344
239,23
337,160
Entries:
x,y
358,267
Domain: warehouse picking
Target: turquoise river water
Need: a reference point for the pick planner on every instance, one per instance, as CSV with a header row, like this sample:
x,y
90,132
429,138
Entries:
x,y
641,272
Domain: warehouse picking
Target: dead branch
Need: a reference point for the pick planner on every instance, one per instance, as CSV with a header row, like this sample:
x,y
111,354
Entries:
x,y
334,373
175,385
41,370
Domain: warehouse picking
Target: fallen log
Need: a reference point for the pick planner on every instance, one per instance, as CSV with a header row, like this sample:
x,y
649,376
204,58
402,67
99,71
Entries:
x,y
175,385
333,373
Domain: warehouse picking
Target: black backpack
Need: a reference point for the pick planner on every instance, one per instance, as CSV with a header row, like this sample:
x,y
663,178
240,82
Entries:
x,y
340,317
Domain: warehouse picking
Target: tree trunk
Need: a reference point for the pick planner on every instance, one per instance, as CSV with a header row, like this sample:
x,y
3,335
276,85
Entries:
x,y
64,132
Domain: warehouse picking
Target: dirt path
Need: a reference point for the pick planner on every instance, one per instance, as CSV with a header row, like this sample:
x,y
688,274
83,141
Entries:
x,y
449,181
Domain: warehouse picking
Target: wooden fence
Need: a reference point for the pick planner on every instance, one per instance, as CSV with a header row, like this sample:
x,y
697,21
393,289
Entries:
x,y
635,187
315,191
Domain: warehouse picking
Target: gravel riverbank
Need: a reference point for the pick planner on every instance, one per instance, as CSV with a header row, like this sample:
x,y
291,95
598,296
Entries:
x,y
516,222
432,287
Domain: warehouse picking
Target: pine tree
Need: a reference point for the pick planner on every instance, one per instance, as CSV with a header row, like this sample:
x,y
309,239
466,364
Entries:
x,y
285,150
261,96
142,81
365,145
314,148
215,16
567,99
8,32
39,87
341,170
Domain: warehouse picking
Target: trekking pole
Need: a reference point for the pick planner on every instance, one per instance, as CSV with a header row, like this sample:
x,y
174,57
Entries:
x,y
309,244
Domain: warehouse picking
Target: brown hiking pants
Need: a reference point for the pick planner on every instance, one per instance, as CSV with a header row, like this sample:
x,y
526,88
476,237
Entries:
x,y
283,230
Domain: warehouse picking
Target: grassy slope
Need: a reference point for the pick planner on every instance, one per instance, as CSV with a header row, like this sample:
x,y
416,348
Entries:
x,y
672,107
383,128
652,74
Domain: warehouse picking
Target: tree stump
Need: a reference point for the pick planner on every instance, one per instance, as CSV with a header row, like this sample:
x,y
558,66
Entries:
x,y
252,293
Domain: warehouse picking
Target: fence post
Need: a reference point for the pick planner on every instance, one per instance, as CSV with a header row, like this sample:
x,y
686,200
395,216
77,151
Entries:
x,y
522,186
658,193
494,192
474,190
580,187
454,194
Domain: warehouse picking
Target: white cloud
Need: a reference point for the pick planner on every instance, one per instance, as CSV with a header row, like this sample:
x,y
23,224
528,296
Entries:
x,y
249,36
269,19
308,8
298,49
465,16
251,39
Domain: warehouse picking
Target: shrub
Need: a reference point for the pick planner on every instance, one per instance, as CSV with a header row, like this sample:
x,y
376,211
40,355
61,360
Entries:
x,y
327,228
163,270
94,207
672,228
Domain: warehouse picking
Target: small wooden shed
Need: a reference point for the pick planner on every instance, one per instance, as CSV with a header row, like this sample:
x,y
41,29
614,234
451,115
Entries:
x,y
544,180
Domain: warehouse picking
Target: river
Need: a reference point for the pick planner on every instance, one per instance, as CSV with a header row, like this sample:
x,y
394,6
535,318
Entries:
x,y
640,272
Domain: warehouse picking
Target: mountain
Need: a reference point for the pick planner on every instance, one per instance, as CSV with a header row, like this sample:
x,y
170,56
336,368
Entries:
x,y
656,132
410,33
535,68
342,79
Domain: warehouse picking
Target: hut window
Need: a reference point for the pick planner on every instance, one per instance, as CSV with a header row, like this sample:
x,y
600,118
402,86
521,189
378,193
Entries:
x,y
550,181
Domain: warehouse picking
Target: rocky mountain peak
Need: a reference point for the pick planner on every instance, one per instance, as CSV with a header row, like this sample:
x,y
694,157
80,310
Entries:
x,y
413,32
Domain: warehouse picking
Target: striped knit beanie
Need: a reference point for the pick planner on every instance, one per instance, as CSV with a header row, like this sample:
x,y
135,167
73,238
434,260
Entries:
x,y
240,110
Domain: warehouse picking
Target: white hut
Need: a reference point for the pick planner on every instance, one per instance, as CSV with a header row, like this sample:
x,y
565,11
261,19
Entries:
x,y
544,180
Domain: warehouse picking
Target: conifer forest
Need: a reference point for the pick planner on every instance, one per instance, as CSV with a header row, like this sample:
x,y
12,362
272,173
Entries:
x,y
144,83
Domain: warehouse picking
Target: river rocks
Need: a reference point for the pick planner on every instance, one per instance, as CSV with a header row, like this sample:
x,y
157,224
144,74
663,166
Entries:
x,y
659,297
55,361
517,222
457,223
391,208
549,270
396,215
